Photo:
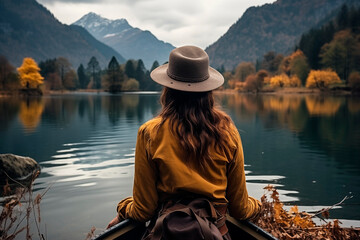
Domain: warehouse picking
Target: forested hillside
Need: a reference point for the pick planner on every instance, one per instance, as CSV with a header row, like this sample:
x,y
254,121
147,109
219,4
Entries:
x,y
326,57
336,44
272,27
27,29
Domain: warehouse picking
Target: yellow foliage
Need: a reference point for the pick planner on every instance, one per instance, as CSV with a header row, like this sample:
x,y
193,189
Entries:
x,y
267,80
295,81
29,74
280,81
282,103
322,78
30,114
317,106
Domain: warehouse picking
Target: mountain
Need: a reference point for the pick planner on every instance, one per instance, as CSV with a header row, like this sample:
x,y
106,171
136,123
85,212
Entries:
x,y
27,29
271,27
132,43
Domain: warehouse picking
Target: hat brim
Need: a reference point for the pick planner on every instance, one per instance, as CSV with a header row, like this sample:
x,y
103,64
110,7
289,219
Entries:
x,y
214,81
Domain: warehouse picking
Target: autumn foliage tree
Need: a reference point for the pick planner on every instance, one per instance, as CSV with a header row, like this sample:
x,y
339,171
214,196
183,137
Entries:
x,y
283,80
295,65
30,77
322,79
255,82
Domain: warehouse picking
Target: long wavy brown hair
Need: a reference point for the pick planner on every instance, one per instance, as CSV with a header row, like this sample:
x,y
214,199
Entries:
x,y
196,122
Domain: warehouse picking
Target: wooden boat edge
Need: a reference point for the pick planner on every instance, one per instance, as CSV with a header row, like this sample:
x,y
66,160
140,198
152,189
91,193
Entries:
x,y
129,225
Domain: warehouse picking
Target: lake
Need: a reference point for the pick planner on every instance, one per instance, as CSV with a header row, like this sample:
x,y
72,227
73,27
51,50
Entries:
x,y
308,146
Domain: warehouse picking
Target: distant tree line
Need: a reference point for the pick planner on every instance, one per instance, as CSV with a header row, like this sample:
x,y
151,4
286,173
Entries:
x,y
58,74
324,57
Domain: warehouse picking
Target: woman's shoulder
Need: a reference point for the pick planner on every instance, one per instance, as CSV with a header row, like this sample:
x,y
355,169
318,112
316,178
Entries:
x,y
234,136
150,125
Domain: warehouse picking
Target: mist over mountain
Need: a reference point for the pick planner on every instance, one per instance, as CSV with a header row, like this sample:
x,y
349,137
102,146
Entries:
x,y
130,42
27,29
271,27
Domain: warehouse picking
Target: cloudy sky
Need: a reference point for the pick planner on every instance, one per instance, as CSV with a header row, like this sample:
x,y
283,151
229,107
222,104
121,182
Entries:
x,y
179,22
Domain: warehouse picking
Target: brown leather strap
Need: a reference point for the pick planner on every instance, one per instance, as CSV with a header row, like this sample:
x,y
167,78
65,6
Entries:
x,y
221,222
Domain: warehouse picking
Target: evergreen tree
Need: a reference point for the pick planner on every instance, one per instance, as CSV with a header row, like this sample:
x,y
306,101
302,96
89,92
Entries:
x,y
311,43
154,65
94,69
83,78
140,75
354,20
115,76
113,68
343,17
50,74
130,69
46,67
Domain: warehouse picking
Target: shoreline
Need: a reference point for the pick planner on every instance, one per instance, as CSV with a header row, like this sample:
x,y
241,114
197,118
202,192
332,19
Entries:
x,y
282,91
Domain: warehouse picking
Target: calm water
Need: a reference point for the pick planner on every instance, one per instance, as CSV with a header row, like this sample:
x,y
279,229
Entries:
x,y
307,146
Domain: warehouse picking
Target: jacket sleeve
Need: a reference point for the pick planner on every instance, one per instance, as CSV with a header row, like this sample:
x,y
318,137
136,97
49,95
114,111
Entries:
x,y
143,204
241,205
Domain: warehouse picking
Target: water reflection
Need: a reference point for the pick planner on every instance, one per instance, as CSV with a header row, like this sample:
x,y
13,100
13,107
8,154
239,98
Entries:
x,y
323,106
311,140
30,113
307,146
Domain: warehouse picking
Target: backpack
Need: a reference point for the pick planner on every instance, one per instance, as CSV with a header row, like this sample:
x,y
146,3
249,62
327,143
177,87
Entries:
x,y
187,219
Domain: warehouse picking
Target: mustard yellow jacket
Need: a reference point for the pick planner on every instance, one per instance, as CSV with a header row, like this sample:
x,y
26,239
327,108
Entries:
x,y
161,171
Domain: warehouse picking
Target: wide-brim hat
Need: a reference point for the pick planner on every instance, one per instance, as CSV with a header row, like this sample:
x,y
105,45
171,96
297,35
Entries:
x,y
188,70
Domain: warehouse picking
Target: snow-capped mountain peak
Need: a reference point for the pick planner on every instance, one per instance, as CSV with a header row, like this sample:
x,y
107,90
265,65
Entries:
x,y
130,42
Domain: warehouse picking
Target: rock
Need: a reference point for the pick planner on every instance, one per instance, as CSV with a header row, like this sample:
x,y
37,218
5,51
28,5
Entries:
x,y
16,167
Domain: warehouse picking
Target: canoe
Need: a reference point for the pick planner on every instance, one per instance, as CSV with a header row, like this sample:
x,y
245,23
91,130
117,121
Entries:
x,y
129,229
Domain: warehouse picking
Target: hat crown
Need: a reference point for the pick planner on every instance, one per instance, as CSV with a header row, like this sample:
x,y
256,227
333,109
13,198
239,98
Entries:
x,y
188,64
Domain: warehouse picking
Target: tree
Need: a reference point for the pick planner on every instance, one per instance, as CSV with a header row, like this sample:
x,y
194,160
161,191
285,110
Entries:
x,y
343,17
140,75
310,43
151,85
255,82
154,65
63,67
322,79
8,77
51,76
341,54
130,85
94,69
71,81
354,19
271,62
243,70
130,69
82,77
115,75
30,77
281,81
354,81
299,67
295,64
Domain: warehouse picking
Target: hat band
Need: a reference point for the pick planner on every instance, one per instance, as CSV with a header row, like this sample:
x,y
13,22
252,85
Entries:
x,y
187,79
